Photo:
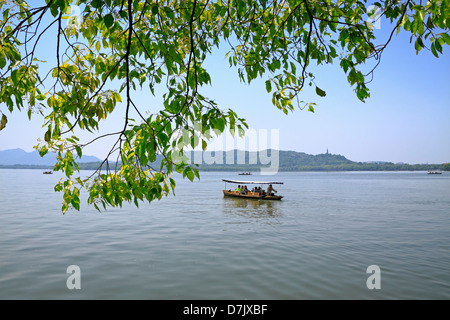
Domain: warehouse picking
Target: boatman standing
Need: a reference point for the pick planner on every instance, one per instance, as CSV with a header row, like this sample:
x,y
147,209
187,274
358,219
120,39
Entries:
x,y
271,190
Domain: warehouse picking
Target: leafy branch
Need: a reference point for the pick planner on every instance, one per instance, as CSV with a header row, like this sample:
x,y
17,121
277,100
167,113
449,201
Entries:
x,y
160,47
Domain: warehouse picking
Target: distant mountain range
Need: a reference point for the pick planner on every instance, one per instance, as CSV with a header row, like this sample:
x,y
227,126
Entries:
x,y
13,157
233,160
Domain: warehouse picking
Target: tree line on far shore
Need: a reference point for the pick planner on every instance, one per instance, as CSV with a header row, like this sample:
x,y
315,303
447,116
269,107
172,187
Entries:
x,y
288,161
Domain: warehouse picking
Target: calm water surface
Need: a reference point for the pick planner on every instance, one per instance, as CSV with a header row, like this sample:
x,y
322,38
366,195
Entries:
x,y
316,243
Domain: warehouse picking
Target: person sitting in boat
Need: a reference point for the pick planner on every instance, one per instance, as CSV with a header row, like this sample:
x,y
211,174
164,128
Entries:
x,y
244,190
262,191
271,190
238,189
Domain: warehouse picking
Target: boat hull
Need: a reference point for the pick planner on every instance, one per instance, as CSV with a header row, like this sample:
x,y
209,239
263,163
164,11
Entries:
x,y
250,195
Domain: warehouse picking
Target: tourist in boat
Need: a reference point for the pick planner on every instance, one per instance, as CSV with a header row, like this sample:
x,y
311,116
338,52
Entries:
x,y
271,190
238,189
262,191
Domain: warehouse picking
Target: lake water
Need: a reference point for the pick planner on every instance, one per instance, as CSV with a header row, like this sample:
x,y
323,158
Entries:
x,y
316,243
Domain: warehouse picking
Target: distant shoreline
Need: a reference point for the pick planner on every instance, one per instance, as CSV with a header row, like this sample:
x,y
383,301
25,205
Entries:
x,y
245,161
251,168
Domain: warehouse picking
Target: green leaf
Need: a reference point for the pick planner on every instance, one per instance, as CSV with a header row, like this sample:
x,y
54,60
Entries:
x,y
2,60
97,4
47,136
196,173
418,45
64,208
438,46
344,65
187,172
320,92
109,20
155,8
43,151
3,122
69,170
54,10
268,86
5,14
78,149
361,94
58,187
433,50
446,38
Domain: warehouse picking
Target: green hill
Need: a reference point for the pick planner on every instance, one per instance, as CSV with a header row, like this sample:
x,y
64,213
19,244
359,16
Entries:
x,y
251,161
298,161
238,160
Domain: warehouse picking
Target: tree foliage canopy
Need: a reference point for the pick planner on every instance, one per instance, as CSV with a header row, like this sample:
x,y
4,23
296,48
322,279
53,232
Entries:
x,y
160,46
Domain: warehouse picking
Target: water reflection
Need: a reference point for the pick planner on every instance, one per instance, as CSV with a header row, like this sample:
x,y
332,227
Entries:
x,y
251,208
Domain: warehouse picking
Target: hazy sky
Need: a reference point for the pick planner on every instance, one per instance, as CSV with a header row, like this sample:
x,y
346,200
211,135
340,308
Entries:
x,y
406,119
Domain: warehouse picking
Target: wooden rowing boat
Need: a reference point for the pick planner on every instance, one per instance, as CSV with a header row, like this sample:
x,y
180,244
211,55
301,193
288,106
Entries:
x,y
251,195
259,194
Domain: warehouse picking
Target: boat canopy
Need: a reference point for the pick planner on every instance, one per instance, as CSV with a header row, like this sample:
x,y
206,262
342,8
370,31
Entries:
x,y
250,182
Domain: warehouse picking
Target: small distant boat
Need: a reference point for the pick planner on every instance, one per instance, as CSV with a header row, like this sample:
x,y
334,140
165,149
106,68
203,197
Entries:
x,y
245,174
255,193
48,172
434,172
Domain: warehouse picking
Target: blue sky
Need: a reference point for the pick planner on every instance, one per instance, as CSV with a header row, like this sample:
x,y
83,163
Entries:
x,y
406,119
